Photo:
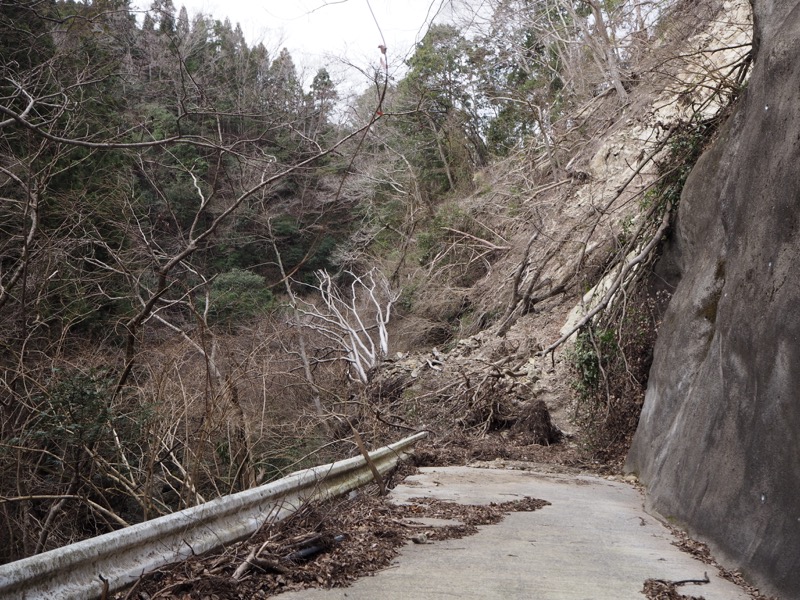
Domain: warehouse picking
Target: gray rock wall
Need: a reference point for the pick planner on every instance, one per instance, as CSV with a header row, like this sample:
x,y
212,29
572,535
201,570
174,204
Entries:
x,y
718,443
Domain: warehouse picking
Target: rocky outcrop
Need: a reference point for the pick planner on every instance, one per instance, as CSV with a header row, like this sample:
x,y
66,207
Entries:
x,y
718,443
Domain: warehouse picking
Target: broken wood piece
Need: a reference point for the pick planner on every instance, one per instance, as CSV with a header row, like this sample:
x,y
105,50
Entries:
x,y
686,581
365,453
268,564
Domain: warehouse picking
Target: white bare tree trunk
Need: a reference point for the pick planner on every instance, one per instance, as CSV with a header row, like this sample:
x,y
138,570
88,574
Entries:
x,y
356,323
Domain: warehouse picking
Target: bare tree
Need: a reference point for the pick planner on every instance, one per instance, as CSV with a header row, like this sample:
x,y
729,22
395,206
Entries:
x,y
356,321
126,156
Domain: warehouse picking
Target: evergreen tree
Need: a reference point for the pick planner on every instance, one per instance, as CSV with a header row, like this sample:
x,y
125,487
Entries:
x,y
440,88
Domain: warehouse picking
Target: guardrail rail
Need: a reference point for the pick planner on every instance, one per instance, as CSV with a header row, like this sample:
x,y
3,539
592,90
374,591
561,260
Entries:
x,y
77,571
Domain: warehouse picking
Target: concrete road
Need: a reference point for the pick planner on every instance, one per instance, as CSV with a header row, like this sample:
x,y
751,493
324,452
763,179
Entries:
x,y
594,542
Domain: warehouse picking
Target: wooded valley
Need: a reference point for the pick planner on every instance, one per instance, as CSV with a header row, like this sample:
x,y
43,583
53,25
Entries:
x,y
208,258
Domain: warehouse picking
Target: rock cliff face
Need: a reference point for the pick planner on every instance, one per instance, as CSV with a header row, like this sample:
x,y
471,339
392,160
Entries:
x,y
718,443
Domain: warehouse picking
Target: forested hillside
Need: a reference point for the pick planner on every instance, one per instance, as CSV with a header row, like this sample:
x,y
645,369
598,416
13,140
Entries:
x,y
208,266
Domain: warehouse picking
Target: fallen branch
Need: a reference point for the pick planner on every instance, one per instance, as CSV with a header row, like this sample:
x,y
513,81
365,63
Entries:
x,y
621,189
481,241
702,581
380,418
376,475
94,505
616,284
253,560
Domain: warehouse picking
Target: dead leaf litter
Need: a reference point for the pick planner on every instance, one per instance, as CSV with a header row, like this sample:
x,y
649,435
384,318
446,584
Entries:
x,y
324,544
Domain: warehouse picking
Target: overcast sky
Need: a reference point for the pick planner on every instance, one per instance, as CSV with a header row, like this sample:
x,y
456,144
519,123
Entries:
x,y
320,32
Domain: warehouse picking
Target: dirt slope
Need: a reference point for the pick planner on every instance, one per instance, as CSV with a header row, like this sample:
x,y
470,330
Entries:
x,y
547,241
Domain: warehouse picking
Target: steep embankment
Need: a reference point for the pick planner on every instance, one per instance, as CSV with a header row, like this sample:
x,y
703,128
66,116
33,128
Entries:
x,y
504,267
717,443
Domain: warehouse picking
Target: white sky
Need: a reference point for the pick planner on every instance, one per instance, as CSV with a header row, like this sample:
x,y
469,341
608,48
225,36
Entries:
x,y
321,32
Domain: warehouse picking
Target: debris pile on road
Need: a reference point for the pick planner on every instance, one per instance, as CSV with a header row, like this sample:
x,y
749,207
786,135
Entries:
x,y
702,552
327,544
656,589
472,392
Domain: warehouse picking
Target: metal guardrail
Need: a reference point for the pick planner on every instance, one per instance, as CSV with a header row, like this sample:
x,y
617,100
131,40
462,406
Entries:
x,y
74,572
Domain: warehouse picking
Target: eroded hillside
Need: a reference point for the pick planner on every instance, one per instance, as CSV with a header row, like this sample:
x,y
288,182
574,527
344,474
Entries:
x,y
560,242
